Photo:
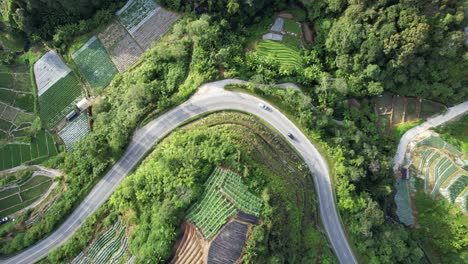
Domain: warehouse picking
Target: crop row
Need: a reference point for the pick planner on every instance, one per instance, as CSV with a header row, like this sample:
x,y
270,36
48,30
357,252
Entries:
x,y
440,167
135,11
95,64
75,131
109,249
443,177
285,55
432,141
15,154
59,100
457,187
225,194
106,237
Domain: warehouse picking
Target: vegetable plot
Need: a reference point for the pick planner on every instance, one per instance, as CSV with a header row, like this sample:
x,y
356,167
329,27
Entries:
x,y
225,195
95,64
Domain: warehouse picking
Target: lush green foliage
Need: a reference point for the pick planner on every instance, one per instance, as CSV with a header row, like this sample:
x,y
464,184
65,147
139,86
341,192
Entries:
x,y
456,133
45,18
443,228
410,47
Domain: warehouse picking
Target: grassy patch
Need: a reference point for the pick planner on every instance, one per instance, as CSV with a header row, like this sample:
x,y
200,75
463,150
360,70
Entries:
x,y
8,192
456,133
292,26
25,101
13,42
7,96
292,42
6,80
35,181
9,201
401,129
36,191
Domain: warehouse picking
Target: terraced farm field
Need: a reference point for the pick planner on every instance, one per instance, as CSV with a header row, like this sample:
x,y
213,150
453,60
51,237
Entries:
x,y
435,162
457,187
59,100
95,64
16,100
107,248
191,247
15,77
76,130
225,195
17,198
123,49
286,55
41,147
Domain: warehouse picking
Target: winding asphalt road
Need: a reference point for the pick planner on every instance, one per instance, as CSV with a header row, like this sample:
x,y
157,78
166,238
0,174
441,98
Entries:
x,y
435,121
209,97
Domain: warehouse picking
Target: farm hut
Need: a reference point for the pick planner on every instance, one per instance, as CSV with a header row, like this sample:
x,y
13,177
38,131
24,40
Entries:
x,y
83,104
278,25
273,36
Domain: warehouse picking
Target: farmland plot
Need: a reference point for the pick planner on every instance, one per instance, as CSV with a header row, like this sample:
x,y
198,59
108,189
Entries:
x,y
191,249
286,55
15,199
95,64
48,70
154,27
108,248
457,187
59,100
135,12
123,49
227,246
15,154
225,196
75,131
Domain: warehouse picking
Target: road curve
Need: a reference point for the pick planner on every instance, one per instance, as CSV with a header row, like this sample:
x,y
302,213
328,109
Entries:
x,y
209,97
451,113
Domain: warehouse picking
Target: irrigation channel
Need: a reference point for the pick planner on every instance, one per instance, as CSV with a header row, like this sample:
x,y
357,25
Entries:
x,y
209,97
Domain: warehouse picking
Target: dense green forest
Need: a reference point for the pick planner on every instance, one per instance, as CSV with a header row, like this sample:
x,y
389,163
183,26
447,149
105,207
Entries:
x,y
364,47
43,18
361,48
